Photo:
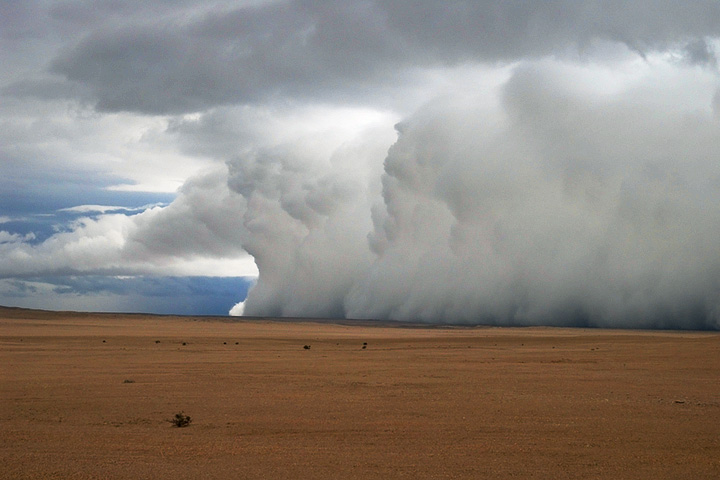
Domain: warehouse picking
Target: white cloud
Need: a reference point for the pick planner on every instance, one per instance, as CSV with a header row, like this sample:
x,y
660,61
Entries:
x,y
237,310
14,238
575,205
198,234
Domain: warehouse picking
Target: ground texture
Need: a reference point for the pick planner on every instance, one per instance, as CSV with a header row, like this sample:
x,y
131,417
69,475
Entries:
x,y
86,396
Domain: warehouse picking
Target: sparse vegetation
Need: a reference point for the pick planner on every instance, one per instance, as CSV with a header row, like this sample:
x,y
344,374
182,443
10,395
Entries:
x,y
180,420
128,381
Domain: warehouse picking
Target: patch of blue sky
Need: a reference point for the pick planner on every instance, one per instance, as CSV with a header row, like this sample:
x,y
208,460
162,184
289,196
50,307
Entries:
x,y
195,295
54,215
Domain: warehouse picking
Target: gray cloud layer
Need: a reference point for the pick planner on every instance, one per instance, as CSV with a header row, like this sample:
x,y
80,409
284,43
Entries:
x,y
341,49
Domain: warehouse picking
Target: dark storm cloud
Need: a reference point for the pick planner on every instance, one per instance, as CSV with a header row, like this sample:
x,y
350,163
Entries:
x,y
238,56
339,49
700,53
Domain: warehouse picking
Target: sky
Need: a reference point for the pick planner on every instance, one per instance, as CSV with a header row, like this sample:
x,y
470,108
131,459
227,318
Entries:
x,y
461,162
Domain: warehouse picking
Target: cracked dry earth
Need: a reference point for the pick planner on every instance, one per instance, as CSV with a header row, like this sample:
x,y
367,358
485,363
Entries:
x,y
90,396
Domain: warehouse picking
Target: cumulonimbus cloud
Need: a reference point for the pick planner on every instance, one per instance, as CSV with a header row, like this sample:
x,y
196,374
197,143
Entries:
x,y
568,205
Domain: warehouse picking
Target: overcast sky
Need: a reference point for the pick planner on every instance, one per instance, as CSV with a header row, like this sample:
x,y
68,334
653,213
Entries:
x,y
511,163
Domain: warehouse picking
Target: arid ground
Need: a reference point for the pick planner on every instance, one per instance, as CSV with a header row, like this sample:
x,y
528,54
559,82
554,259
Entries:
x,y
89,396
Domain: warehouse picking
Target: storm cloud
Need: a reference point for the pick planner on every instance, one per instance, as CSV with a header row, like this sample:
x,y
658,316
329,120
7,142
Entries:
x,y
564,205
338,50
509,163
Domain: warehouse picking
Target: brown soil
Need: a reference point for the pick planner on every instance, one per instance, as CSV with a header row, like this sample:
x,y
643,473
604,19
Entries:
x,y
89,396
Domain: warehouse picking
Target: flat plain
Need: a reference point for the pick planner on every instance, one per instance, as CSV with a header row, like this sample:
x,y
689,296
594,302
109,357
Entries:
x,y
90,396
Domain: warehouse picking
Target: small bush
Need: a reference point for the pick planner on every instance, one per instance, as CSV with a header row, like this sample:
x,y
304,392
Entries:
x,y
128,381
180,420
306,347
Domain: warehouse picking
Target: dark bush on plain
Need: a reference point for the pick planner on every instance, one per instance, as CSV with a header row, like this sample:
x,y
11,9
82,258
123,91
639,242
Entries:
x,y
181,420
